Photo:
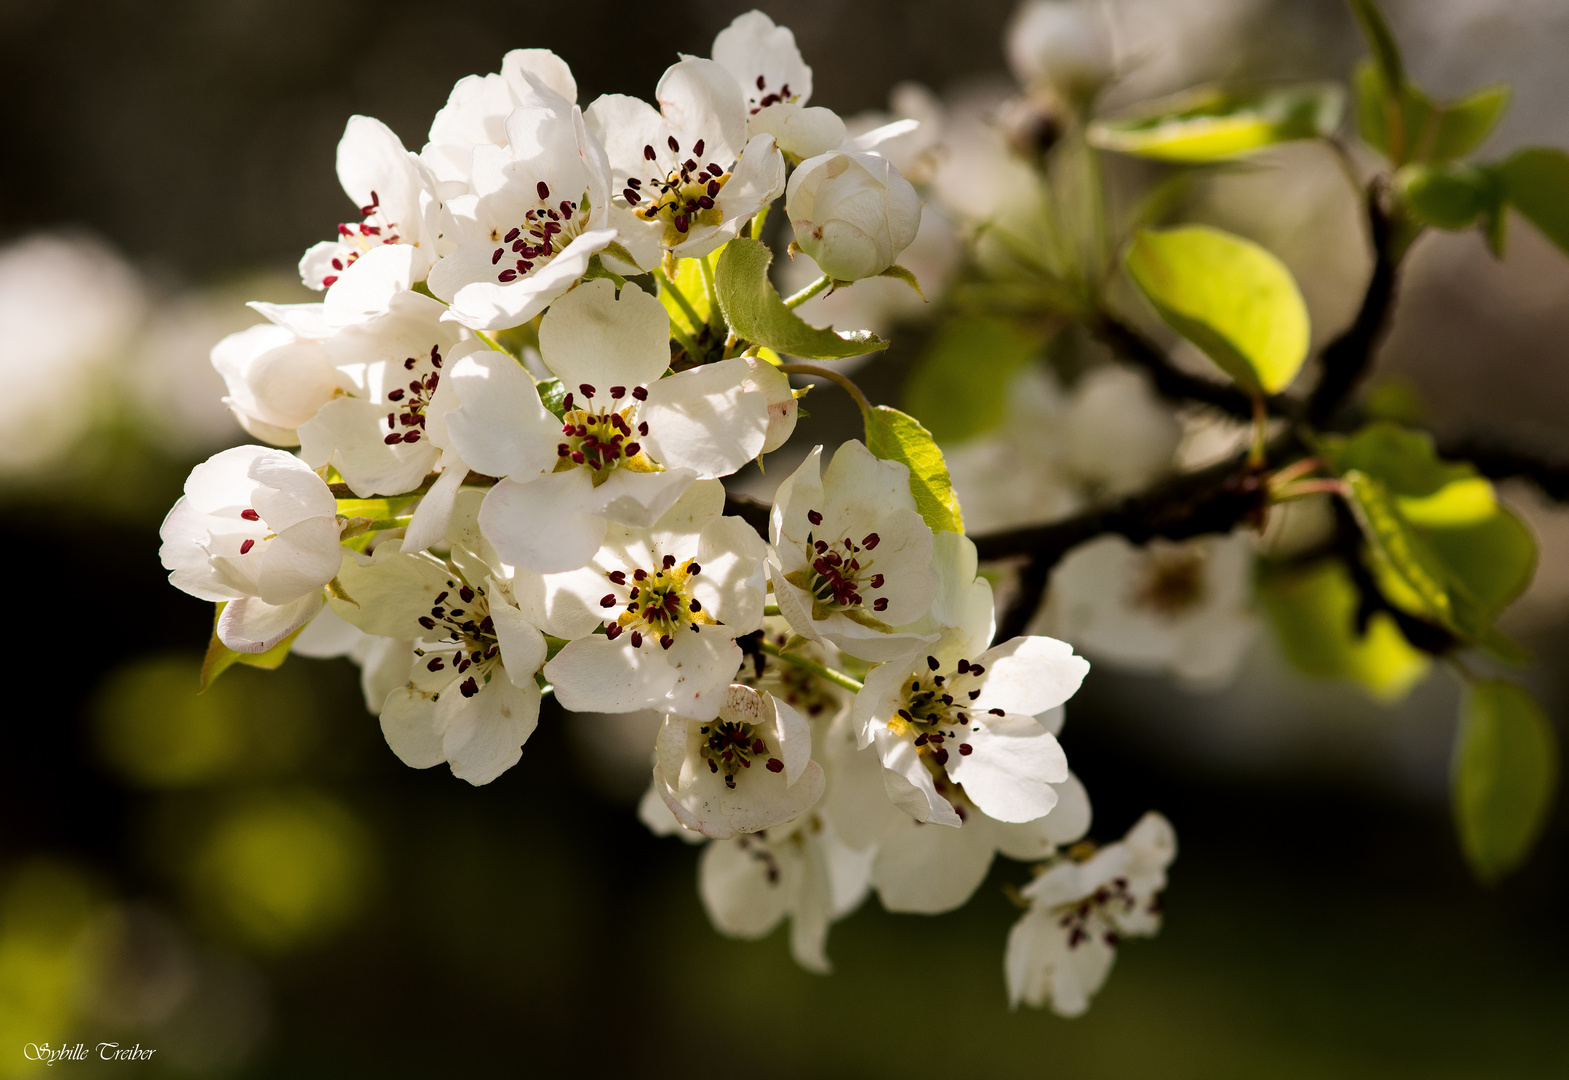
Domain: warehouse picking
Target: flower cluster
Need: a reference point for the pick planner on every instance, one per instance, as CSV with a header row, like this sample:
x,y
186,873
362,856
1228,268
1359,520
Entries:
x,y
514,413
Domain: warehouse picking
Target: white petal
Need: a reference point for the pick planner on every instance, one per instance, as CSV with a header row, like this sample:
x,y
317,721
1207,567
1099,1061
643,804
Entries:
x,y
909,782
350,433
300,560
1030,675
926,869
794,736
704,662
483,735
486,305
500,426
288,491
594,674
408,723
706,419
801,132
249,625
591,337
731,586
1067,823
639,500
1010,772
522,645
738,893
751,46
434,512
183,554
699,99
388,593
547,524
367,289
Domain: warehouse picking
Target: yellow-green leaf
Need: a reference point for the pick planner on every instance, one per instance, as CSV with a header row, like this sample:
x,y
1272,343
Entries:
x,y
1450,196
959,389
1398,548
755,312
1313,610
1228,296
221,658
895,436
1505,776
1215,124
1463,124
1536,183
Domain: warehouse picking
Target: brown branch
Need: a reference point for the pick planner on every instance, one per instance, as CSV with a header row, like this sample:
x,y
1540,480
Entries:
x,y
1174,384
1212,500
1348,359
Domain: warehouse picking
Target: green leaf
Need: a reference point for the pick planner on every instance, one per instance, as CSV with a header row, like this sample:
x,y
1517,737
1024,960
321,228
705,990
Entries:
x,y
1505,775
221,658
1229,297
1381,40
959,388
1214,124
1462,125
895,436
1450,197
1401,552
1536,183
755,312
1494,558
553,395
1405,461
1313,610
688,281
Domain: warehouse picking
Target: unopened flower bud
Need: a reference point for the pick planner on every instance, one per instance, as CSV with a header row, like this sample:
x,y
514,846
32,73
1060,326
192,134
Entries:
x,y
1062,44
852,213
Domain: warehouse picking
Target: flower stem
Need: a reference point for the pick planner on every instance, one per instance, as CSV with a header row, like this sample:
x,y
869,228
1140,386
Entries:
x,y
838,678
770,609
810,291
833,377
713,290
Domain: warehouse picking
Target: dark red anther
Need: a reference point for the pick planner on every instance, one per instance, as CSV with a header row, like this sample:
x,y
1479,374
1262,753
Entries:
x,y
543,189
682,222
669,561
870,541
507,275
675,147
612,631
706,203
637,640
633,449
608,600
941,756
328,280
470,687
250,515
588,391
965,749
246,545
693,570
648,153
666,641
392,439
434,664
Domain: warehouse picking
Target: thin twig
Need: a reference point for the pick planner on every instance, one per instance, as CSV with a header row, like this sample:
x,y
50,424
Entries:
x,y
1172,382
806,663
832,376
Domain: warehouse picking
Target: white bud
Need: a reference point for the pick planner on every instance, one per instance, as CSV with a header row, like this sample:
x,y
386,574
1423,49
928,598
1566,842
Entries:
x,y
1060,43
276,381
852,213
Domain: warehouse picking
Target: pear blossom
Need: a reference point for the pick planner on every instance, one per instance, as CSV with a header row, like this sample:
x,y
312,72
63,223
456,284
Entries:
x,y
1063,948
536,213
1058,450
1061,44
391,350
704,769
477,110
1178,607
471,699
777,83
629,443
688,172
852,213
801,870
671,599
945,723
257,531
852,557
277,379
384,662
396,199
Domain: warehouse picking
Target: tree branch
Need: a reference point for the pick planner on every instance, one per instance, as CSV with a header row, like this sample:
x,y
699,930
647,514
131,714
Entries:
x,y
1170,381
1497,460
1212,500
1346,361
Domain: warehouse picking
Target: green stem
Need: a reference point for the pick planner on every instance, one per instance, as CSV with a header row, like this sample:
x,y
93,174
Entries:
x,y
828,674
810,291
667,284
770,609
833,377
713,290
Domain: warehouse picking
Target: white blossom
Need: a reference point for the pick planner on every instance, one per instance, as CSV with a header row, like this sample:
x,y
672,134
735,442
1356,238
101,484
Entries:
x,y
396,199
471,698
852,557
777,84
671,598
1063,948
278,379
852,213
258,531
476,112
1183,608
688,173
629,444
536,212
1062,44
958,713
747,769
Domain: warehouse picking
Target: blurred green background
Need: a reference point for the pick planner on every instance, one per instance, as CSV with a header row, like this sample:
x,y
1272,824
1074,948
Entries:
x,y
251,884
